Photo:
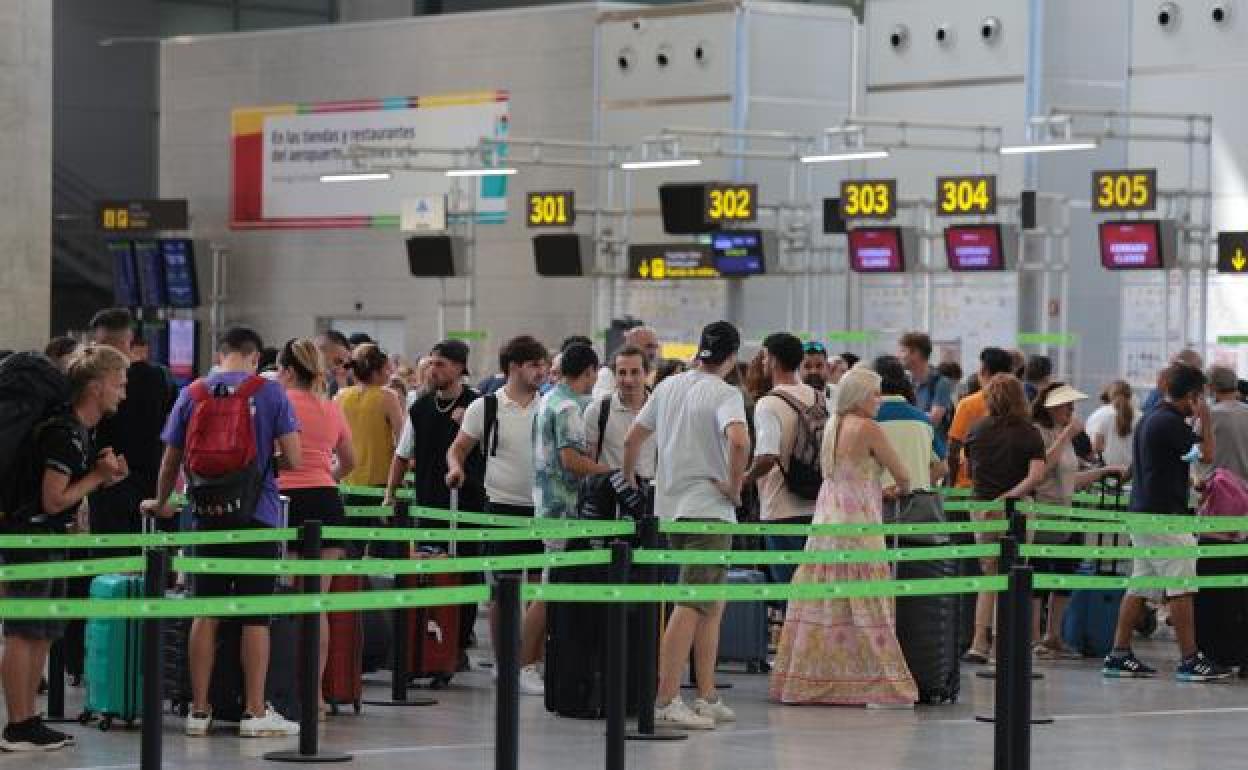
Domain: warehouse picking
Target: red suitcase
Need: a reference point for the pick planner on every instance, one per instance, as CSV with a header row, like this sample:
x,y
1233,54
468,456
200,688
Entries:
x,y
342,683
433,633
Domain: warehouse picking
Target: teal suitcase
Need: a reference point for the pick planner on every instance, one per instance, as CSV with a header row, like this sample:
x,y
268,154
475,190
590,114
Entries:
x,y
114,669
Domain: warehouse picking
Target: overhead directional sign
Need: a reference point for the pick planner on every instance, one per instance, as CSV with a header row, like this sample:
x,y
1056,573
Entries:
x,y
869,198
1129,190
962,195
670,261
552,209
1233,253
141,216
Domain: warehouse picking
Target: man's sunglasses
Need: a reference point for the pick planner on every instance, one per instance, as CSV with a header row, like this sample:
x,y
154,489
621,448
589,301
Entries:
x,y
814,346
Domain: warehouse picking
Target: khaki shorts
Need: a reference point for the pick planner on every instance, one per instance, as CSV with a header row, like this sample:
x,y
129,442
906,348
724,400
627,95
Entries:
x,y
1162,567
701,574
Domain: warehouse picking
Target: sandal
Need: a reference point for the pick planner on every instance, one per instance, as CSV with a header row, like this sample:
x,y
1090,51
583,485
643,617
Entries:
x,y
975,656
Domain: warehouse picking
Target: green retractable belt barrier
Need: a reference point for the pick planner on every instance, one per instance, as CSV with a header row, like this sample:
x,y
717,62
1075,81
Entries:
x,y
835,530
817,557
390,566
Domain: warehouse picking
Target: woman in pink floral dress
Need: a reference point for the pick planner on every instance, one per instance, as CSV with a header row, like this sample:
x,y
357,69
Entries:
x,y
845,651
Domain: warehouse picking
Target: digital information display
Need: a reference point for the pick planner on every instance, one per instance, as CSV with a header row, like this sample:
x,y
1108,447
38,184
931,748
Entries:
x,y
142,216
151,273
868,198
1129,190
125,274
156,334
1131,245
974,247
182,339
966,195
731,202
1233,253
876,250
552,209
180,281
670,261
738,253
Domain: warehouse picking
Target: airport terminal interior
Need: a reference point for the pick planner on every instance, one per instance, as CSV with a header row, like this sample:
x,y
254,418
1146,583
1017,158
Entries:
x,y
494,303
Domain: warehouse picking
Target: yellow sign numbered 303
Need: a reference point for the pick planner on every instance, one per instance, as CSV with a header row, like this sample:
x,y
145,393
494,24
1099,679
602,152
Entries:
x,y
552,209
869,198
731,202
1129,190
966,195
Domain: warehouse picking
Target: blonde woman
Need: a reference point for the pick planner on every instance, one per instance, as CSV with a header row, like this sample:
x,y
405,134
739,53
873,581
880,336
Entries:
x,y
845,651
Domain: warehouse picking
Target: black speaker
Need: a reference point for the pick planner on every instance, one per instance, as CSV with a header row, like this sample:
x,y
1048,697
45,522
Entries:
x,y
431,256
1027,210
560,254
833,222
683,206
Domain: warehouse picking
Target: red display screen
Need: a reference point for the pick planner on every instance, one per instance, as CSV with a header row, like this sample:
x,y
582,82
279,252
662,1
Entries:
x,y
974,247
876,250
1132,245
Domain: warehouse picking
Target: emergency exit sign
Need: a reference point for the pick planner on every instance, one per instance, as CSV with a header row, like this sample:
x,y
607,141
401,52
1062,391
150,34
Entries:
x,y
1233,253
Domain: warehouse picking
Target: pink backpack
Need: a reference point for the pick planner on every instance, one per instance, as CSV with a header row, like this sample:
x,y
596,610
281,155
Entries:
x,y
1225,494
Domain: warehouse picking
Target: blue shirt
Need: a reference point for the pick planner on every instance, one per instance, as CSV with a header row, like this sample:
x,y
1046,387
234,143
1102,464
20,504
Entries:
x,y
936,390
272,417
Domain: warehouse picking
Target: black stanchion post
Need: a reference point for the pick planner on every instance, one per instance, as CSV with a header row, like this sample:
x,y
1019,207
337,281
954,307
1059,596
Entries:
x,y
507,691
1004,646
154,579
400,648
1018,722
309,666
648,655
56,683
617,652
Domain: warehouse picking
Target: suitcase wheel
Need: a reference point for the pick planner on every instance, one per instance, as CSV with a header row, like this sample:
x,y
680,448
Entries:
x,y
358,706
333,708
84,718
106,723
440,682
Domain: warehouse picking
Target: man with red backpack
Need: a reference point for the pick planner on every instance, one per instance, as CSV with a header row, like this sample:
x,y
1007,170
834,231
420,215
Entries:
x,y
222,433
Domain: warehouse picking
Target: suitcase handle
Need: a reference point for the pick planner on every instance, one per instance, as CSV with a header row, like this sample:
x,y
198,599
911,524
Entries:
x,y
454,544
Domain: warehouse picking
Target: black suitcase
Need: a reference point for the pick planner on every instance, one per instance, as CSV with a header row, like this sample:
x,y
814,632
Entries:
x,y
1222,613
928,628
281,687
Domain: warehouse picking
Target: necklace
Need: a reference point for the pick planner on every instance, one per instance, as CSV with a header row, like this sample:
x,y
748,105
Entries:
x,y
437,404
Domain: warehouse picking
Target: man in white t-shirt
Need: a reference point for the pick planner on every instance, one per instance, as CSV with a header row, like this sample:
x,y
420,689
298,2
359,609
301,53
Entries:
x,y
704,446
642,337
502,423
606,435
775,429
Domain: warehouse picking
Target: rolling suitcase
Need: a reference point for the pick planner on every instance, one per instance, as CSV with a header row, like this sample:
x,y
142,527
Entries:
x,y
114,657
743,632
1222,613
929,629
434,645
342,683
177,671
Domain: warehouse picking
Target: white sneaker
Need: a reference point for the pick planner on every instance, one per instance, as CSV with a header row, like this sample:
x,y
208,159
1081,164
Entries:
x,y
676,714
198,724
717,711
271,725
531,682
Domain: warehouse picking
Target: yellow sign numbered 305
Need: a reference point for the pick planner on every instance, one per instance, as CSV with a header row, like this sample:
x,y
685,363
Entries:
x,y
731,202
1129,190
552,209
966,195
869,198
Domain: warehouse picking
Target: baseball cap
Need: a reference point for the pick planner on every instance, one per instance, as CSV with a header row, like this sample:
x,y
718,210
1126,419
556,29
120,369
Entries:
x,y
1063,394
719,340
453,350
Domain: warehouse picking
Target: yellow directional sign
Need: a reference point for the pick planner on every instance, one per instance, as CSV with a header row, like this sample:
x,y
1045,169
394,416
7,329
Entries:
x,y
670,262
1233,253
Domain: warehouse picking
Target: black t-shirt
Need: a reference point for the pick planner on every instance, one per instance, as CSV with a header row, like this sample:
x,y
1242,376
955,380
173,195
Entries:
x,y
63,445
1000,453
1160,475
434,427
133,432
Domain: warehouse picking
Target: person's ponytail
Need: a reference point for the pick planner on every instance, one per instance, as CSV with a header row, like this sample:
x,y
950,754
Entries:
x,y
1120,398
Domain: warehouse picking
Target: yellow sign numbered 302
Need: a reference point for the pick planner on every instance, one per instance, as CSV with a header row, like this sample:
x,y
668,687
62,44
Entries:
x,y
731,202
869,198
1129,190
552,209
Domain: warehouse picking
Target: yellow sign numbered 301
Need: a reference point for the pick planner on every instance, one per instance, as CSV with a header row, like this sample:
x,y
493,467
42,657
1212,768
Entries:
x,y
966,195
731,202
552,209
1129,190
869,198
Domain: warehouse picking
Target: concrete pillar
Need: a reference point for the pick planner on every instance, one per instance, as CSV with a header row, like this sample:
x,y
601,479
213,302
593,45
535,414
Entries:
x,y
25,172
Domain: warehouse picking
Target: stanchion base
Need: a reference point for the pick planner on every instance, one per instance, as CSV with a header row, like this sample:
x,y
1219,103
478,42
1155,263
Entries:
x,y
61,720
408,702
989,719
657,735
295,756
991,674
720,686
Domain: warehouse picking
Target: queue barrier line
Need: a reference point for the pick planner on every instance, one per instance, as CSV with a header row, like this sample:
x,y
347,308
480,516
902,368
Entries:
x,y
558,592
1110,582
836,530
924,553
954,492
71,569
1116,552
1047,509
219,537
227,566
572,531
478,519
1188,525
974,506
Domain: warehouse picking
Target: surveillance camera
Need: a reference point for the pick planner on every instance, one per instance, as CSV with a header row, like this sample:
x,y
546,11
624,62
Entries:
x,y
899,37
638,25
1168,15
944,34
702,52
990,29
1221,12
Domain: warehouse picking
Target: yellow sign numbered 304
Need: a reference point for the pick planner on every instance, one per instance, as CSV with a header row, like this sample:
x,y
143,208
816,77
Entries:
x,y
869,198
966,195
1129,190
552,209
731,202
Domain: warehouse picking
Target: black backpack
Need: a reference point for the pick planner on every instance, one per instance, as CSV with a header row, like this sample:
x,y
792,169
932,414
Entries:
x,y
605,495
32,392
804,474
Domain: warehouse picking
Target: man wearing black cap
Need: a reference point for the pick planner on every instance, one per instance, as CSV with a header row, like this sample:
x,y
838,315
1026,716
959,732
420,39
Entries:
x,y
430,429
699,424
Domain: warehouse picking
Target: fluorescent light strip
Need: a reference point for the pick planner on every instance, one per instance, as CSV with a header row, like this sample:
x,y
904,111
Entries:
x,y
643,165
1031,149
481,172
840,156
370,176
